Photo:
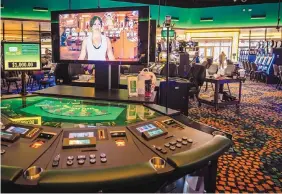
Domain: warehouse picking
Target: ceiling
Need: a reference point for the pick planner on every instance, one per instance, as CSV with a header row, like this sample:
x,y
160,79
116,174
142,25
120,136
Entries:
x,y
200,3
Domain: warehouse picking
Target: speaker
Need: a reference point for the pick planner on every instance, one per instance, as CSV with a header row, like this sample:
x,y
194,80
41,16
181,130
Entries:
x,y
177,95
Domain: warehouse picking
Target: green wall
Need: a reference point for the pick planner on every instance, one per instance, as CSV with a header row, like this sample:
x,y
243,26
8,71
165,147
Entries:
x,y
224,17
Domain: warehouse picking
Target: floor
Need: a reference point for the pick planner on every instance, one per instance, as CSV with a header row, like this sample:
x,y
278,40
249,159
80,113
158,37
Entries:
x,y
256,164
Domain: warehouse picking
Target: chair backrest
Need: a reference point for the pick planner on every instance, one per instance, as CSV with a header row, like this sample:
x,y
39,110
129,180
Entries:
x,y
213,69
230,70
198,73
254,66
276,69
280,69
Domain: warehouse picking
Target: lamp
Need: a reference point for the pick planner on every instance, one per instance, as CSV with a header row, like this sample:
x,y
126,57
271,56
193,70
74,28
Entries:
x,y
43,9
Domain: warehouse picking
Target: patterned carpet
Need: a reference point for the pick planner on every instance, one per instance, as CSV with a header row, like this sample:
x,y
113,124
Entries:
x,y
256,164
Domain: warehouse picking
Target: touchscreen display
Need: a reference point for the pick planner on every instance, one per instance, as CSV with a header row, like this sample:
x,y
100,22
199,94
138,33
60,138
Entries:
x,y
155,132
79,142
146,128
6,135
19,130
81,134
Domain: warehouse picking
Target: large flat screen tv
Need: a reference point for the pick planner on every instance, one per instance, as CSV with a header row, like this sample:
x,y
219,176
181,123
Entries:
x,y
107,36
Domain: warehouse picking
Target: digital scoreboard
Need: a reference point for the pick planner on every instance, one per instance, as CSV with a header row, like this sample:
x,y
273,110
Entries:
x,y
21,56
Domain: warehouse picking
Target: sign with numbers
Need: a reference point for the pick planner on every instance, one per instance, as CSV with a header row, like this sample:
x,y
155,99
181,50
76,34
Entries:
x,y
21,56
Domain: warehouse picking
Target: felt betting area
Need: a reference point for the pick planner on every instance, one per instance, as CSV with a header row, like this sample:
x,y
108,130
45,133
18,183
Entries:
x,y
68,113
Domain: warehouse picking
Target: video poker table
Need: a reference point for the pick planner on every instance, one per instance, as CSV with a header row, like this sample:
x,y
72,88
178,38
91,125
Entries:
x,y
64,144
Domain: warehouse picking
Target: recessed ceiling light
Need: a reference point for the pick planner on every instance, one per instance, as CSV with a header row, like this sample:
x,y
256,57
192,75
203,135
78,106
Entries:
x,y
244,9
43,9
250,9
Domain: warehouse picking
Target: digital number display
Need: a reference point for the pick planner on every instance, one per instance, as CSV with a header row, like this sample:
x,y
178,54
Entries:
x,y
146,128
19,130
79,142
81,134
21,56
19,65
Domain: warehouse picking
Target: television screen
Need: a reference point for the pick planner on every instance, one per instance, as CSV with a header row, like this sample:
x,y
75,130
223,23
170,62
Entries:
x,y
21,56
111,34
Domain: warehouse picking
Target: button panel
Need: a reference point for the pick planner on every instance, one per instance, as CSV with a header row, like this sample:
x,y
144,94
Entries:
x,y
92,161
79,157
70,158
103,160
173,145
172,148
102,155
70,162
81,161
92,156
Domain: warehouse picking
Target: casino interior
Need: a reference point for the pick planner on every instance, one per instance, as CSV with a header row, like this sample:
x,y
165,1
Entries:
x,y
140,96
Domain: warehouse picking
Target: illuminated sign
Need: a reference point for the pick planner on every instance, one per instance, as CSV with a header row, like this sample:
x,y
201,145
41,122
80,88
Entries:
x,y
28,120
21,56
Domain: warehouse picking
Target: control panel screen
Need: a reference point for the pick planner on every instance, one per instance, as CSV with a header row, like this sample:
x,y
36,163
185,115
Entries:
x,y
81,134
79,142
6,135
20,130
144,128
155,132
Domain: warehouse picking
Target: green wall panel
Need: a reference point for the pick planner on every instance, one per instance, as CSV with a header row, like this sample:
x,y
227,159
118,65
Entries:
x,y
223,17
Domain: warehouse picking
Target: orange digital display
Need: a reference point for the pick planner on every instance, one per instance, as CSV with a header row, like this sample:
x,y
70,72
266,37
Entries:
x,y
37,144
120,142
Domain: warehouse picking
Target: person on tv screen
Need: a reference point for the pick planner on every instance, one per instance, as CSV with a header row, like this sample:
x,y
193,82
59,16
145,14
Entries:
x,y
97,46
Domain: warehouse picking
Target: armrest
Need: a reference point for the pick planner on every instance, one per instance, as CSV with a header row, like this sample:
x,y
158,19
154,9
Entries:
x,y
9,173
199,156
97,178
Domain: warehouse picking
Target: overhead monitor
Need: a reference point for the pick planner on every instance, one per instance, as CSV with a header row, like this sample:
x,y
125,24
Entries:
x,y
112,35
21,56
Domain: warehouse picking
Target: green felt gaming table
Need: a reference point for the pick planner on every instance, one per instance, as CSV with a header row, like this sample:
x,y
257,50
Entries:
x,y
68,113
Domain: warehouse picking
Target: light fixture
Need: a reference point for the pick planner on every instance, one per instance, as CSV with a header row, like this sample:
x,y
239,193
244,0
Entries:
x,y
175,19
159,13
43,9
2,6
258,17
244,9
250,10
206,19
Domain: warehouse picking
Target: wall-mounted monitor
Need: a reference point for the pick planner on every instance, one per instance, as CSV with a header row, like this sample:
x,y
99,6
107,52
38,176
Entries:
x,y
21,56
108,36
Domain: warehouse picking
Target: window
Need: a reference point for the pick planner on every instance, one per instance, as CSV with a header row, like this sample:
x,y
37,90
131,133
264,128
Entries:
x,y
1,29
30,31
13,30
